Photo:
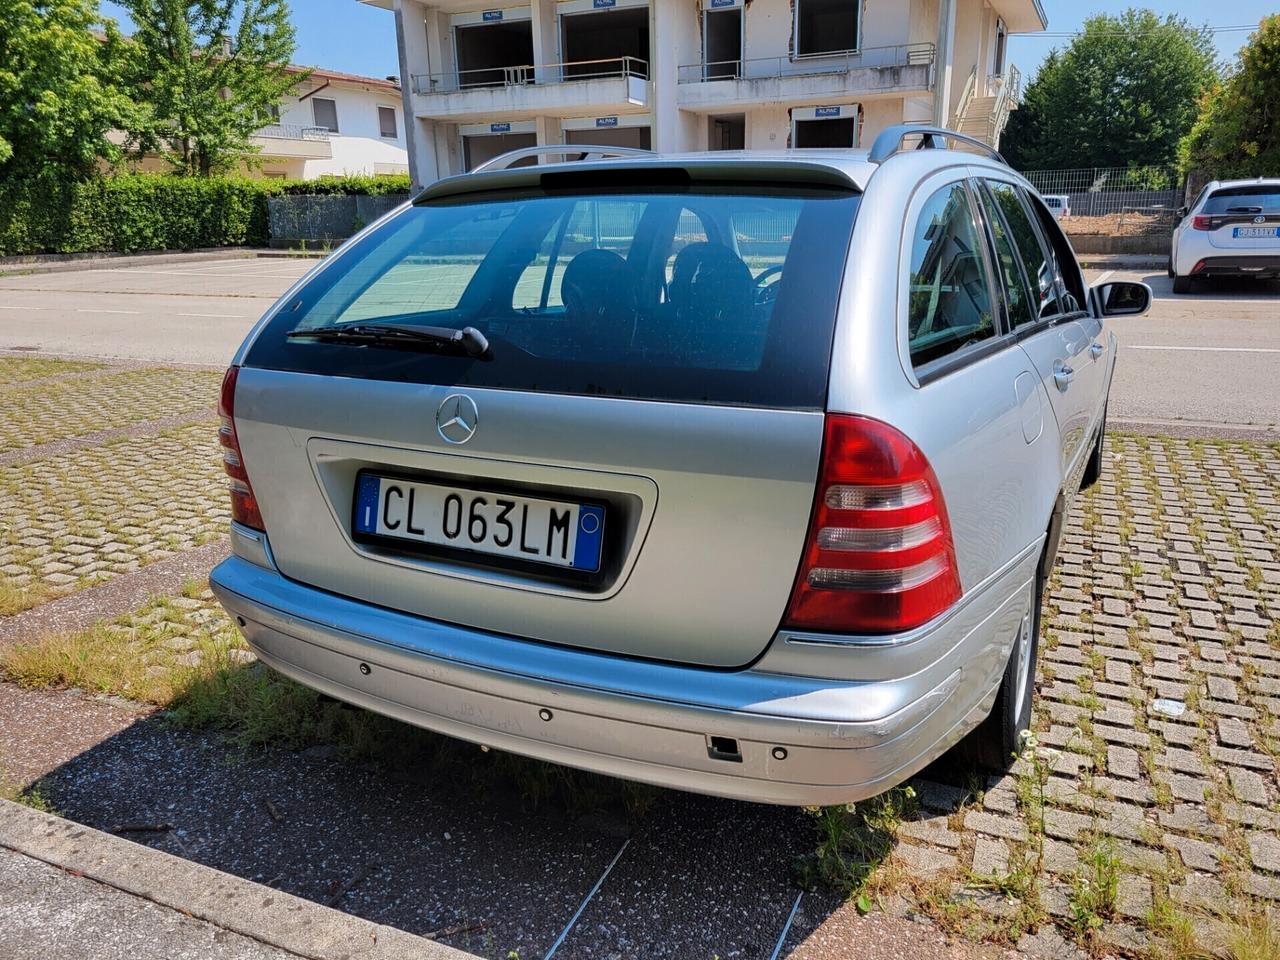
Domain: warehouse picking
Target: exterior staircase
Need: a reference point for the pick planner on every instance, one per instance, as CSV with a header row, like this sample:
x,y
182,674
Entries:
x,y
985,117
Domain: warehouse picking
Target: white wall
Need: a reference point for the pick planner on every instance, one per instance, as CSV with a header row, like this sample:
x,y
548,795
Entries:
x,y
358,145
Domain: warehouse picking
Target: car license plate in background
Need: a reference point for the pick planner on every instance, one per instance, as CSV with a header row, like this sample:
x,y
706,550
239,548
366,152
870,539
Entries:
x,y
543,531
1255,233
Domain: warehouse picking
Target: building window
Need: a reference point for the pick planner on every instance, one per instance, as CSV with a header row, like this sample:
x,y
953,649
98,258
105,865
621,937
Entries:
x,y
1002,44
325,113
387,122
273,112
826,26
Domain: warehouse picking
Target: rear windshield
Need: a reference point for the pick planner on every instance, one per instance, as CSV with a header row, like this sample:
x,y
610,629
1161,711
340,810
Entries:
x,y
1263,198
700,295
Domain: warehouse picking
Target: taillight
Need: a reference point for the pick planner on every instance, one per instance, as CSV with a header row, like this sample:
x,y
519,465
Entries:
x,y
880,557
1202,223
244,505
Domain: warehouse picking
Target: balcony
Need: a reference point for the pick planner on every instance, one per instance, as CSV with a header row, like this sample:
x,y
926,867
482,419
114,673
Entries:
x,y
291,140
613,86
865,74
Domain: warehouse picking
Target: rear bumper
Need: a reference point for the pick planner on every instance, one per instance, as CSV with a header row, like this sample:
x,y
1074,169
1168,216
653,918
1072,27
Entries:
x,y
801,740
1262,265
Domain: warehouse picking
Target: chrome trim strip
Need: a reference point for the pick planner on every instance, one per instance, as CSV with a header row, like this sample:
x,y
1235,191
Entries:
x,y
799,638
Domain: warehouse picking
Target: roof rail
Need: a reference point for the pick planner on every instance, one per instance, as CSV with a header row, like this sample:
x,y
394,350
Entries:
x,y
588,151
889,142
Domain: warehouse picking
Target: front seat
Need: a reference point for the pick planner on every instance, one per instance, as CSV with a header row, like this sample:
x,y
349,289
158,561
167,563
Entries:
x,y
712,294
598,292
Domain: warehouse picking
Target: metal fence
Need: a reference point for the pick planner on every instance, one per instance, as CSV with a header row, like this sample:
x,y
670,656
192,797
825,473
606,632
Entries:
x,y
300,219
1129,199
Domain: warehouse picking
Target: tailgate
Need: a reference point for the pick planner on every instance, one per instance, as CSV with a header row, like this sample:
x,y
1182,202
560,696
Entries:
x,y
708,508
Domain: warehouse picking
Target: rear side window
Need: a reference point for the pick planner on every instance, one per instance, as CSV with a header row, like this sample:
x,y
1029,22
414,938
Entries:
x,y
1071,293
700,295
949,304
1255,199
1037,263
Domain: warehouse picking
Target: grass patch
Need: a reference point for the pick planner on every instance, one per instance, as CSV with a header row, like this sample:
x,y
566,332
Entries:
x,y
854,841
15,599
1094,890
183,654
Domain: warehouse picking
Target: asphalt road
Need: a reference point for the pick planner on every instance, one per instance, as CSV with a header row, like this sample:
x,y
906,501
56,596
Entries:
x,y
1205,363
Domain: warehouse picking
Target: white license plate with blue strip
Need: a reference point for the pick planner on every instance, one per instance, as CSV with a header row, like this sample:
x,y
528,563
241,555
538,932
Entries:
x,y
553,532
1256,233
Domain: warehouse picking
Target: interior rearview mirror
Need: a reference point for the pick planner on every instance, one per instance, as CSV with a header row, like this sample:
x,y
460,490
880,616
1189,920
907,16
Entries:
x,y
1122,298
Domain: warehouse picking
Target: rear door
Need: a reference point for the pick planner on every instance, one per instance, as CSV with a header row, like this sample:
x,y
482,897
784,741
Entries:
x,y
1244,218
630,468
1049,322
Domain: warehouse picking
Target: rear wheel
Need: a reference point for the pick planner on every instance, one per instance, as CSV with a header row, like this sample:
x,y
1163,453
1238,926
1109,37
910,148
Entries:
x,y
1169,268
1183,284
995,741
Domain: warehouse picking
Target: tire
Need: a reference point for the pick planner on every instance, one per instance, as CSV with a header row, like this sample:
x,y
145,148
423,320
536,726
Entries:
x,y
1183,284
1169,268
993,743
1093,469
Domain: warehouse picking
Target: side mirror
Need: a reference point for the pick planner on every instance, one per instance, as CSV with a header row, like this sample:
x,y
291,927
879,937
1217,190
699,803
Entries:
x,y
1121,298
1182,213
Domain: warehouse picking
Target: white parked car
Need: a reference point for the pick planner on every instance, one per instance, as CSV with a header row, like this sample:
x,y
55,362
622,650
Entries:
x,y
737,473
1059,204
1232,230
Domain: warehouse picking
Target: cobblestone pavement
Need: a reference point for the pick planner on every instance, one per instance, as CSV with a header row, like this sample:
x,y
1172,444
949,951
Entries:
x,y
1146,804
1156,720
72,406
25,369
107,510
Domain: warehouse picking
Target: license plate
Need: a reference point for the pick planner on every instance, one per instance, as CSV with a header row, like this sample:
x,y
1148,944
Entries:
x,y
1255,233
480,521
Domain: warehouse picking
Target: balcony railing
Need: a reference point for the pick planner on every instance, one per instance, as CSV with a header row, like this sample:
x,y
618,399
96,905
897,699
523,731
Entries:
x,y
770,68
522,74
292,131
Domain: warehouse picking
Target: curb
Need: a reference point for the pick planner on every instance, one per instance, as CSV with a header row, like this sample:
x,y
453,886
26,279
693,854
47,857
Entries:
x,y
70,263
250,909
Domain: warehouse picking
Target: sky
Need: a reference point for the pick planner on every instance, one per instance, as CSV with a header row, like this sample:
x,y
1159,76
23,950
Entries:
x,y
355,38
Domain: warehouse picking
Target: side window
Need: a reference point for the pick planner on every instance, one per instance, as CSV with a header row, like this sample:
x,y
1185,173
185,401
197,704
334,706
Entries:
x,y
588,225
1036,262
689,229
949,297
1067,275
1017,298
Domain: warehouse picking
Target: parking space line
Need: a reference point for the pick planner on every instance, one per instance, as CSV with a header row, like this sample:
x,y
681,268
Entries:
x,y
1152,346
583,906
217,316
786,928
1103,278
102,310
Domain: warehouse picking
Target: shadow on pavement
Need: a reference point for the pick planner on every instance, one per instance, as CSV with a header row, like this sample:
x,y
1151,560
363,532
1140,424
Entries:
x,y
424,843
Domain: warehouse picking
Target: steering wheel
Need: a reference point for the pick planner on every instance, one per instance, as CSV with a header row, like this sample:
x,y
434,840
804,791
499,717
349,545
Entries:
x,y
766,292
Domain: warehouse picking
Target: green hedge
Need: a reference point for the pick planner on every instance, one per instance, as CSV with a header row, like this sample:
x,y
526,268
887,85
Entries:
x,y
132,212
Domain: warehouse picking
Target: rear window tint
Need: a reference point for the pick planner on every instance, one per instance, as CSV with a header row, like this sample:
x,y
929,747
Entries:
x,y
711,296
1263,198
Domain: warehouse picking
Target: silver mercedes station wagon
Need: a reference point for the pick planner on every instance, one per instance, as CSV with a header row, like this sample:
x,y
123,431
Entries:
x,y
736,473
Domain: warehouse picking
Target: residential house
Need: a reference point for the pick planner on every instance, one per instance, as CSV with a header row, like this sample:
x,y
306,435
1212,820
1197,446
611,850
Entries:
x,y
479,77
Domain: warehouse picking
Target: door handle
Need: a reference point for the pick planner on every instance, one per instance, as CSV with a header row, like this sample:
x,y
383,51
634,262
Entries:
x,y
1096,350
1063,374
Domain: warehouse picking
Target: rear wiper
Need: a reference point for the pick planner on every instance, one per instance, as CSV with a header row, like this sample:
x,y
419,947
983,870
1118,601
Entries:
x,y
1244,209
468,341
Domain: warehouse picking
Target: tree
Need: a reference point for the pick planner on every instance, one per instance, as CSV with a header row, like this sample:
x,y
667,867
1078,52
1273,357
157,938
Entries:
x,y
1238,131
209,72
1122,94
59,95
